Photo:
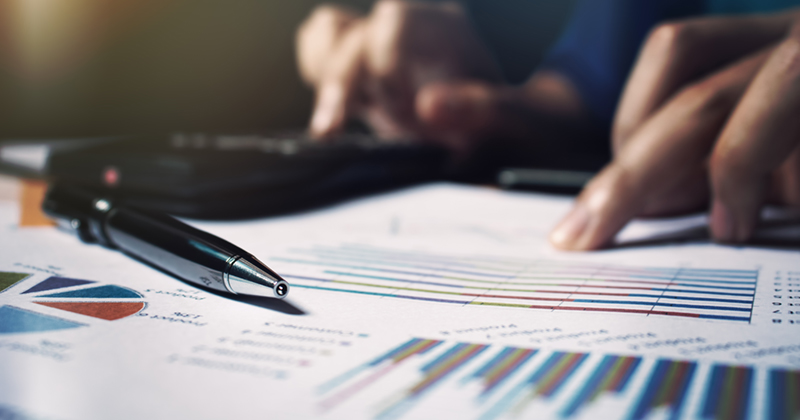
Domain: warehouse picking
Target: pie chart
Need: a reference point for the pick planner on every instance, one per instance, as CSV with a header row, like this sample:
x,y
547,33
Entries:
x,y
30,306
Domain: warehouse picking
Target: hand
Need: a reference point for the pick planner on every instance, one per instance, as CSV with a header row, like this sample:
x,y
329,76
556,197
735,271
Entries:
x,y
415,70
709,114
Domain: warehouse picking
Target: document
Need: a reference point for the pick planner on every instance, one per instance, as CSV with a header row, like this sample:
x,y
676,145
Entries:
x,y
433,302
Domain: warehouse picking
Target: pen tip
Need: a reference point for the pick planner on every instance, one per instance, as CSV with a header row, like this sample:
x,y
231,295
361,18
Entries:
x,y
281,289
253,278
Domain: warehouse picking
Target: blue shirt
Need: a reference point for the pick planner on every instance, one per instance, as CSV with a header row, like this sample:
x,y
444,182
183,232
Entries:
x,y
601,41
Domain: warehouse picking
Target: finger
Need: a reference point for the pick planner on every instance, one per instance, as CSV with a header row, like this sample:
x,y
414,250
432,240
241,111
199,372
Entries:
x,y
785,183
339,85
429,43
465,105
317,36
676,54
390,88
762,133
457,112
665,155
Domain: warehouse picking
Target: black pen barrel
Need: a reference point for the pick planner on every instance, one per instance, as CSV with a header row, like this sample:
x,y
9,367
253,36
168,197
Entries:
x,y
172,246
164,242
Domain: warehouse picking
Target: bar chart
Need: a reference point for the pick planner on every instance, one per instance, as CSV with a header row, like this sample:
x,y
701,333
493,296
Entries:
x,y
784,391
666,388
612,375
544,383
729,392
725,295
497,382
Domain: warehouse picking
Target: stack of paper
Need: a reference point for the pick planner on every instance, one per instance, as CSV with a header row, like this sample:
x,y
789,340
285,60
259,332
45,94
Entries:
x,y
435,302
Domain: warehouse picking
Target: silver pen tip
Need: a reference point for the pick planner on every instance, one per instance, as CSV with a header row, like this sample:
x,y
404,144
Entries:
x,y
282,289
247,278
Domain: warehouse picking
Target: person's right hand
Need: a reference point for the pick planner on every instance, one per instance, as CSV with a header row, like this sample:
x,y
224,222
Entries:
x,y
401,69
710,114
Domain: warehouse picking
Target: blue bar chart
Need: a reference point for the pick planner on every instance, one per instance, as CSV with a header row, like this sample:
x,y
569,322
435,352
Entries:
x,y
502,382
495,372
377,368
666,388
612,375
728,393
544,383
784,391
716,294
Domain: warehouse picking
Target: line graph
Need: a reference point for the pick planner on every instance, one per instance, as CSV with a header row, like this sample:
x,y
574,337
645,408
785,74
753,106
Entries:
x,y
717,294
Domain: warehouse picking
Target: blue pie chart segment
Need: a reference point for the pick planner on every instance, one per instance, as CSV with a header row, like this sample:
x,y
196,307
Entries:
x,y
103,292
16,320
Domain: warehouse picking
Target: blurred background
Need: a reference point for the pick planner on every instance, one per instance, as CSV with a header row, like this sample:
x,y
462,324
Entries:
x,y
77,68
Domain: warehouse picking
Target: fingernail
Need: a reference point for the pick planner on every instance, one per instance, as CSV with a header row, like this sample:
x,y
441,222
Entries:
x,y
325,112
571,228
722,224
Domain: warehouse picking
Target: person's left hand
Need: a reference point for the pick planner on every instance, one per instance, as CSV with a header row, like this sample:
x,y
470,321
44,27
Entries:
x,y
419,70
711,113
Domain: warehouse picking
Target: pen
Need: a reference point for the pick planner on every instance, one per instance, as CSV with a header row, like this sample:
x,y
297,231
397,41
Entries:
x,y
520,178
163,242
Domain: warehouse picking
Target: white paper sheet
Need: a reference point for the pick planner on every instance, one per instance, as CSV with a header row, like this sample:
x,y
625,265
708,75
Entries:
x,y
495,323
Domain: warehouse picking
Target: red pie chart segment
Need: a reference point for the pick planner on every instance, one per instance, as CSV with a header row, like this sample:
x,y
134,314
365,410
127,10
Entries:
x,y
109,311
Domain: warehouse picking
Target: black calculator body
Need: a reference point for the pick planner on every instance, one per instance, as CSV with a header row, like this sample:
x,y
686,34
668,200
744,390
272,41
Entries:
x,y
241,176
